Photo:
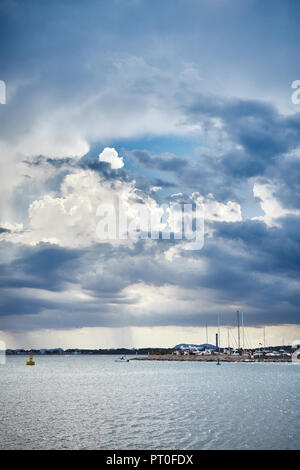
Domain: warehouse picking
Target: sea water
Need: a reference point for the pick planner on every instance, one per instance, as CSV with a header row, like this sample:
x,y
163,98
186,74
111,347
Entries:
x,y
92,402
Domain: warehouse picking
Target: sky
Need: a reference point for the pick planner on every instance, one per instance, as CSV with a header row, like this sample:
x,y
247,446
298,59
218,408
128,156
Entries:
x,y
149,103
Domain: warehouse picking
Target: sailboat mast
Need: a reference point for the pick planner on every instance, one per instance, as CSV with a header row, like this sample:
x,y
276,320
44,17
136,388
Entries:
x,y
219,331
238,325
243,330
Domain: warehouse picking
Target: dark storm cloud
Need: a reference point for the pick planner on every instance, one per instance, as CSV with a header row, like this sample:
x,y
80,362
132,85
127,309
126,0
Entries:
x,y
286,175
50,269
65,165
246,263
44,266
274,250
164,162
162,183
259,138
40,160
263,134
20,305
103,168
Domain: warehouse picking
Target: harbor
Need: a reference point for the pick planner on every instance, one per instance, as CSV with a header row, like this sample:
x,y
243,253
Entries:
x,y
211,358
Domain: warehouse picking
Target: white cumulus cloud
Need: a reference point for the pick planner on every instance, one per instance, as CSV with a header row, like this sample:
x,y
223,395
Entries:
x,y
110,155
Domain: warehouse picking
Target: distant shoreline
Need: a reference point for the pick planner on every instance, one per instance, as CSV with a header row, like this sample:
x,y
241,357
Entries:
x,y
208,358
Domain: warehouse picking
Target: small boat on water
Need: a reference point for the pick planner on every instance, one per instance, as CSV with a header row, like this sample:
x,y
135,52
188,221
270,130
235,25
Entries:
x,y
122,359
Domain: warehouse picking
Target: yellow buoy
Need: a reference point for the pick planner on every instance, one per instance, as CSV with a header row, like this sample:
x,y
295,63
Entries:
x,y
30,362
